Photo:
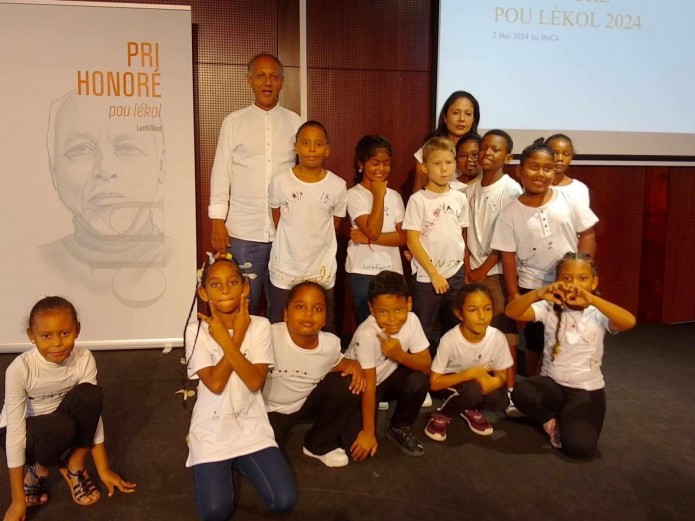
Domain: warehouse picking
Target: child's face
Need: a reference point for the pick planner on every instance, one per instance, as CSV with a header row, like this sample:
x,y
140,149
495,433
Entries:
x,y
54,332
390,312
377,167
312,147
537,172
306,312
578,273
459,118
440,166
563,155
467,159
224,287
493,153
475,314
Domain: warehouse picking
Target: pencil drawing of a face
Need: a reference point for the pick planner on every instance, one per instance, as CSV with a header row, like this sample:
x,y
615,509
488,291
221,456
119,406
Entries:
x,y
105,171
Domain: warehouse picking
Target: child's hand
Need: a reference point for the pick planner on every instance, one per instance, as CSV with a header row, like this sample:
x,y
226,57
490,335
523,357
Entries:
x,y
16,512
476,275
113,481
378,189
365,445
408,255
359,382
578,297
391,347
440,284
217,329
554,293
358,237
242,320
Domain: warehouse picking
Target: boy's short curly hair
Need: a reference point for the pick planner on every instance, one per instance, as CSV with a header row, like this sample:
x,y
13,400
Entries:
x,y
388,283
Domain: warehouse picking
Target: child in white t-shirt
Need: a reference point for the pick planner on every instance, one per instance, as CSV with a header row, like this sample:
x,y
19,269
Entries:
x,y
564,152
486,200
534,231
307,203
230,351
308,380
435,219
470,173
376,214
568,397
470,370
393,351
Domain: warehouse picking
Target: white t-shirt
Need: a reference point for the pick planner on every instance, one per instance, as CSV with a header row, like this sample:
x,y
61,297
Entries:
x,y
297,371
305,244
233,423
253,146
578,361
371,259
455,184
486,202
35,386
577,191
440,219
456,354
541,236
366,348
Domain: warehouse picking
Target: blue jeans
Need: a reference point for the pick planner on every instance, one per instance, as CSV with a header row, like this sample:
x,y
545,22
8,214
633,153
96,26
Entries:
x,y
258,254
359,286
266,469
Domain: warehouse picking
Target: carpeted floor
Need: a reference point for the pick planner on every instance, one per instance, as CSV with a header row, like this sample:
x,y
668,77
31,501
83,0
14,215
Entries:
x,y
645,469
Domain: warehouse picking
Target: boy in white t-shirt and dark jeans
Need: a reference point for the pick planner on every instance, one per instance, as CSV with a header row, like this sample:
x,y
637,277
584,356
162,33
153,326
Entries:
x,y
392,349
435,219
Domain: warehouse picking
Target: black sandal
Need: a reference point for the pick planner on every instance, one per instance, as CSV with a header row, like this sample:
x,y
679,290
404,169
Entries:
x,y
36,491
83,488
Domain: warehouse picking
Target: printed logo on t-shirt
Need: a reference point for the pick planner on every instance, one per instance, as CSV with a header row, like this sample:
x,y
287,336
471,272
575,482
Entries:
x,y
294,197
325,198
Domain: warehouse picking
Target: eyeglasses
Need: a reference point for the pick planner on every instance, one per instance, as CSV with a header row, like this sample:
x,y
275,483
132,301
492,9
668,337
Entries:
x,y
470,157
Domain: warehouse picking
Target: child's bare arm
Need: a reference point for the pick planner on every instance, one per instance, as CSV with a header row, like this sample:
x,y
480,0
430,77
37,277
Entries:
x,y
109,477
444,381
276,215
352,367
509,273
587,242
619,319
365,444
520,308
391,347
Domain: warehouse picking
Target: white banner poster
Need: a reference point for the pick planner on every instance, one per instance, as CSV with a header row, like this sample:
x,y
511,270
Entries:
x,y
97,168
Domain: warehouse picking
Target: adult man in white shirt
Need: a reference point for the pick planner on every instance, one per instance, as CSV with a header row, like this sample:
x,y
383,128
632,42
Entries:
x,y
255,143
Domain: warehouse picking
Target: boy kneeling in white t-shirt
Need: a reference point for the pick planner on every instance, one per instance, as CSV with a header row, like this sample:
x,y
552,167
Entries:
x,y
392,349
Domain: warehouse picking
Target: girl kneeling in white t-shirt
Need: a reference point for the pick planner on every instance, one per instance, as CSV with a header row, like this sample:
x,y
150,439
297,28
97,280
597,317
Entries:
x,y
568,396
308,380
230,351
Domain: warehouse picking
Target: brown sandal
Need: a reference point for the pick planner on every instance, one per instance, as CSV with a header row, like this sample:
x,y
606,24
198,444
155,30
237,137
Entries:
x,y
35,491
83,488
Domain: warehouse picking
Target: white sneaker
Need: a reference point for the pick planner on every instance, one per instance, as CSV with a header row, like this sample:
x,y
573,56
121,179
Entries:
x,y
511,409
383,406
428,401
335,458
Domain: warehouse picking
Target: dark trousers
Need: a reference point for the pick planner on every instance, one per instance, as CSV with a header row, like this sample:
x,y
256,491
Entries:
x,y
433,309
359,286
330,405
404,386
468,395
72,425
534,333
579,413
